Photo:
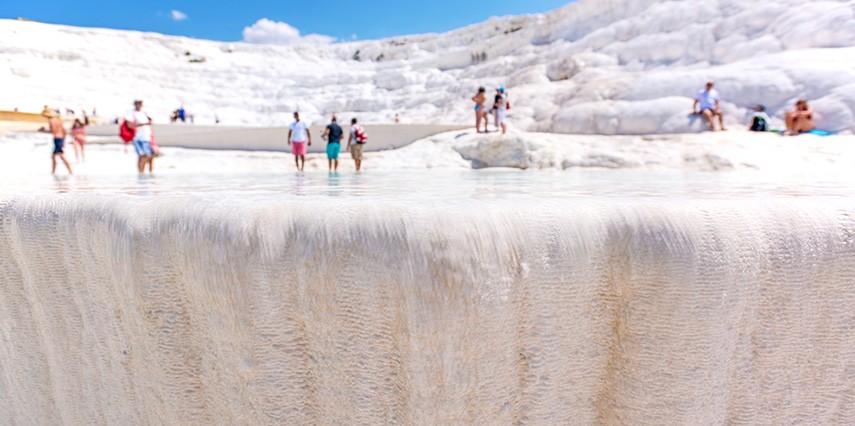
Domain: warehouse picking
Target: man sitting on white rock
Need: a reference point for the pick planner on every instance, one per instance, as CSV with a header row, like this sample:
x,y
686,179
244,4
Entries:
x,y
709,106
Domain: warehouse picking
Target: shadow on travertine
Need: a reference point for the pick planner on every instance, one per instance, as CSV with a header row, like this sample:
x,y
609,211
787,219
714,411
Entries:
x,y
380,136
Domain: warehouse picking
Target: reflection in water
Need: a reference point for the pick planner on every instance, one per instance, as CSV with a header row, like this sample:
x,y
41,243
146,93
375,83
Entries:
x,y
301,184
333,184
62,183
147,185
464,185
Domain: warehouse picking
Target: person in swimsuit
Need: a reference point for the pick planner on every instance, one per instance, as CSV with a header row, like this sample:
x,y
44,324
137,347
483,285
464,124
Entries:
x,y
78,133
799,120
480,110
58,131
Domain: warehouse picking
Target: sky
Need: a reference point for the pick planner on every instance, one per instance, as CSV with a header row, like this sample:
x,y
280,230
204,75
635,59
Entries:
x,y
275,21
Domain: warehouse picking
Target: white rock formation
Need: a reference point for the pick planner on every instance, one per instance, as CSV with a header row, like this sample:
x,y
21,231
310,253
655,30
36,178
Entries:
x,y
612,67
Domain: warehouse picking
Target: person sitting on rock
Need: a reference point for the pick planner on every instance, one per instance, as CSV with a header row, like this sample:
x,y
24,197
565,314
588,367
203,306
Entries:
x,y
799,120
759,119
709,106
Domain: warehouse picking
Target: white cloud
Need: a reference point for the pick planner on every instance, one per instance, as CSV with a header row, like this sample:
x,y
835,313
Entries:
x,y
178,15
265,31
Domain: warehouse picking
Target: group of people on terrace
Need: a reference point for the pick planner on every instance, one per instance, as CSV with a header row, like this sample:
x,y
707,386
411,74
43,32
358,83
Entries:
x,y
707,104
299,138
57,129
138,125
136,129
499,110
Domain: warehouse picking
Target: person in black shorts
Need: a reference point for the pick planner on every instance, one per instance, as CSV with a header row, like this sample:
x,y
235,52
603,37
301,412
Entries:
x,y
56,128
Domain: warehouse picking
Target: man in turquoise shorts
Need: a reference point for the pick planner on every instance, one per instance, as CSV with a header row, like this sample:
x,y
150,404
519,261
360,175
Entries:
x,y
332,134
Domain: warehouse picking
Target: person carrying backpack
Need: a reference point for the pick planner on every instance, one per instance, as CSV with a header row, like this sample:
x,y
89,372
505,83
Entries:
x,y
138,121
355,142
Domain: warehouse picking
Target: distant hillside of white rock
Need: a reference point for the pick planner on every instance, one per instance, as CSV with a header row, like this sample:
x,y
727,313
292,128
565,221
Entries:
x,y
596,66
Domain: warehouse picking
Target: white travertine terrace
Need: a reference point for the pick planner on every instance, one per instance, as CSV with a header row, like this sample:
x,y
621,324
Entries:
x,y
592,67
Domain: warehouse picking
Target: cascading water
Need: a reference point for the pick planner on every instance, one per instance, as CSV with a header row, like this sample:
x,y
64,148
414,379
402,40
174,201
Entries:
x,y
465,309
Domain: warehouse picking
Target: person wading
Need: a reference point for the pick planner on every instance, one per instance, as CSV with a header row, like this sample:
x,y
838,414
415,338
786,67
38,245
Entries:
x,y
56,128
355,143
140,122
298,138
332,134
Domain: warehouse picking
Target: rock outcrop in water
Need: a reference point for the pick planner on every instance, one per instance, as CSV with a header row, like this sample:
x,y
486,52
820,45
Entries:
x,y
605,67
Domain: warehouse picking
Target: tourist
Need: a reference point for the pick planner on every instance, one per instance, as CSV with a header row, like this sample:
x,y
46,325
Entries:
x,y
708,100
332,134
355,143
799,120
759,119
56,128
140,122
480,109
298,135
496,98
501,106
78,133
397,119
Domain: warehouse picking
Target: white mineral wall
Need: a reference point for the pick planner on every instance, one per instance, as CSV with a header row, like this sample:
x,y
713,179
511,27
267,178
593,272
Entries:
x,y
189,310
591,67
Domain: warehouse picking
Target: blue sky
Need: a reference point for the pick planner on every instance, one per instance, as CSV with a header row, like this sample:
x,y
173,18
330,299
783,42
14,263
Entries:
x,y
226,21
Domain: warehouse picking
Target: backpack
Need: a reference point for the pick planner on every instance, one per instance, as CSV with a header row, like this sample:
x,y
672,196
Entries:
x,y
126,133
360,135
759,124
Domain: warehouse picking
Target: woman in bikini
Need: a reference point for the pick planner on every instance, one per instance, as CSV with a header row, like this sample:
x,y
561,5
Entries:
x,y
78,133
480,110
801,119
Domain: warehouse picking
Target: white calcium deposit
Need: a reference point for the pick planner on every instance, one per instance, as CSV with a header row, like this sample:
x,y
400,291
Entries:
x,y
707,282
121,309
653,277
765,153
604,67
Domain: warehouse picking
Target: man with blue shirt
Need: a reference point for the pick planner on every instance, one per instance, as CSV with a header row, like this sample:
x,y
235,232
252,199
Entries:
x,y
708,100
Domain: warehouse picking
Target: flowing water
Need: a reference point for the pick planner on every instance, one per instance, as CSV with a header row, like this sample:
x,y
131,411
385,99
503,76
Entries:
x,y
428,298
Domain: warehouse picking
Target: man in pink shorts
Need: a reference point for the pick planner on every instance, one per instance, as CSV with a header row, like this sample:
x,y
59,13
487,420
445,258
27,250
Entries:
x,y
299,136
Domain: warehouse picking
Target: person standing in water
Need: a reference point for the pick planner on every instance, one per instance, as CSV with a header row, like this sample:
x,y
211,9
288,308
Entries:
x,y
141,123
480,109
355,143
332,134
56,128
298,138
78,133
